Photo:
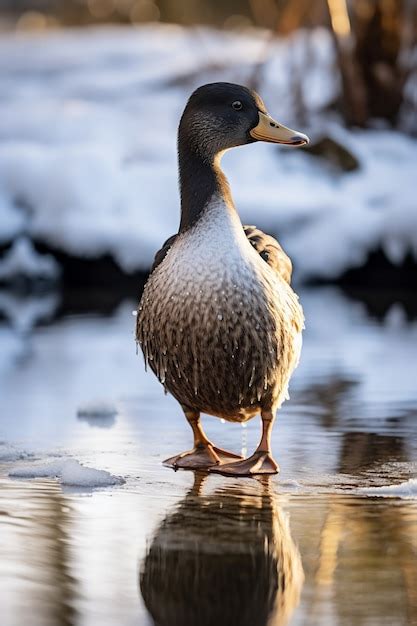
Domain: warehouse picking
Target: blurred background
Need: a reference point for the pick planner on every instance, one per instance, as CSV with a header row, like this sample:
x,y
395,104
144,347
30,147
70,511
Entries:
x,y
92,91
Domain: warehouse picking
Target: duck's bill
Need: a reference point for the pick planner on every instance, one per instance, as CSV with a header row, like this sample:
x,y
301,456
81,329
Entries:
x,y
269,130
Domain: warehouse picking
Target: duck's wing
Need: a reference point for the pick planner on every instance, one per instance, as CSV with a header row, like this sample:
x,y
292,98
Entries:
x,y
266,246
161,254
271,252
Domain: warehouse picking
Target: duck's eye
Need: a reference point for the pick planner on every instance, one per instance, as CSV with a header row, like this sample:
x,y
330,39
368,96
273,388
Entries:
x,y
237,105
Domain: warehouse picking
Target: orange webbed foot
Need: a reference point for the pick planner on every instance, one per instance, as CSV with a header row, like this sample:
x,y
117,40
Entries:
x,y
202,456
260,463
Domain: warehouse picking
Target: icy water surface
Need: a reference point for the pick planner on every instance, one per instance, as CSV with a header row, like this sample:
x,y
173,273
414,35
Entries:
x,y
331,541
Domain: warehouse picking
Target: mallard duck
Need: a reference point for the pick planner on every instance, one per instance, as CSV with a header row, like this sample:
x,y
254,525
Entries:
x,y
218,321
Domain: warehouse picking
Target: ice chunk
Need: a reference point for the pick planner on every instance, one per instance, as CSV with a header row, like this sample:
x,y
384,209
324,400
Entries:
x,y
69,472
407,490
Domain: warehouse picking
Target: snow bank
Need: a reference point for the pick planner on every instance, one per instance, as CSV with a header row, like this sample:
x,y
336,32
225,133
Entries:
x,y
69,472
407,490
88,148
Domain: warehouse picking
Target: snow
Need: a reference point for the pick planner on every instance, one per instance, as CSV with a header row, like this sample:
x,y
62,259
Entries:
x,y
88,148
23,260
9,452
407,490
69,472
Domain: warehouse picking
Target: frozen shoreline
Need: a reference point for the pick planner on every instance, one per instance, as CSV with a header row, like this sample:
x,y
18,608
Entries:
x,y
88,399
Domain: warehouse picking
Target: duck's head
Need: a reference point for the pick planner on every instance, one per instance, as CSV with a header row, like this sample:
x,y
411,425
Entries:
x,y
219,116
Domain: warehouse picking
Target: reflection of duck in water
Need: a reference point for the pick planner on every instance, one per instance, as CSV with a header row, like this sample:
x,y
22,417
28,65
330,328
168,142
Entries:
x,y
222,559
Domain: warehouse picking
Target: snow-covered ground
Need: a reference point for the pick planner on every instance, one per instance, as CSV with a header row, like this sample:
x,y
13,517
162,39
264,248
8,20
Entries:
x,y
69,472
88,149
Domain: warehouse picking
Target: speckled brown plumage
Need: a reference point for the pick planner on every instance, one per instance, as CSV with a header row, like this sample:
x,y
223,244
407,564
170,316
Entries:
x,y
223,339
218,322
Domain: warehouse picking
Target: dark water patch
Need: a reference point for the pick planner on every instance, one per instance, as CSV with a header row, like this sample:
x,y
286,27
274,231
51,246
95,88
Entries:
x,y
379,302
379,272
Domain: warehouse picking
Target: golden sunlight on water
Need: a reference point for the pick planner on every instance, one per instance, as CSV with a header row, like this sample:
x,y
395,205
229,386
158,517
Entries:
x,y
225,552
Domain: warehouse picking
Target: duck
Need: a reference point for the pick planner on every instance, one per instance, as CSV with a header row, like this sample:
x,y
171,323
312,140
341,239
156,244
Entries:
x,y
218,321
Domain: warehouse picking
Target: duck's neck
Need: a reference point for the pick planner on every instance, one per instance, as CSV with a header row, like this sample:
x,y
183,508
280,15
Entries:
x,y
201,182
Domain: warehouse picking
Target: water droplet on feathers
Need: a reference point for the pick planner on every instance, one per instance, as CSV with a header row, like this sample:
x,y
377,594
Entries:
x,y
252,377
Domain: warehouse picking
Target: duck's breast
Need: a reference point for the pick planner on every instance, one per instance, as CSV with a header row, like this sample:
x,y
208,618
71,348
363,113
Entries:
x,y
215,323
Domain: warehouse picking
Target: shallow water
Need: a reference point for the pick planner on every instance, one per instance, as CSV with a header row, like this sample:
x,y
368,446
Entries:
x,y
332,540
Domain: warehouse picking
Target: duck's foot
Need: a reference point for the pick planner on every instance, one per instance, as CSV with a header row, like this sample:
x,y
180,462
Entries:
x,y
226,456
259,463
202,456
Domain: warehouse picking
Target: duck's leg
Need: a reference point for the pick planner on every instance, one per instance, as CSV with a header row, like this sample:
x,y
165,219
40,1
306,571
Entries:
x,y
261,461
204,454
